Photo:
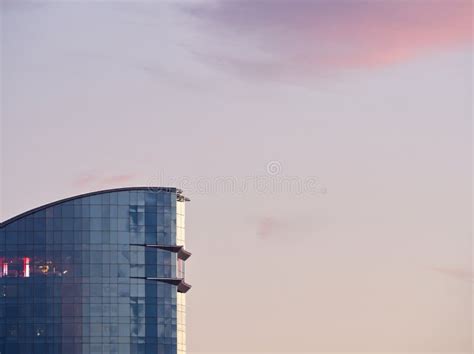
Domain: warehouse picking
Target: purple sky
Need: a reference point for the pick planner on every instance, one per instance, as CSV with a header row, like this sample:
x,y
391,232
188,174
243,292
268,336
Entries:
x,y
364,105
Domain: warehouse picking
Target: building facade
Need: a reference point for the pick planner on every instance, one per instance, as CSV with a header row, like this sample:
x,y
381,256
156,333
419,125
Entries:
x,y
97,273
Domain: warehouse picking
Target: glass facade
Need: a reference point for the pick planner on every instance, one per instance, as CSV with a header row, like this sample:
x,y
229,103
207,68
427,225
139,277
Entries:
x,y
95,274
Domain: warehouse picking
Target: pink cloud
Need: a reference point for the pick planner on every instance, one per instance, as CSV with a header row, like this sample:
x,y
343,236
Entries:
x,y
267,227
458,273
85,180
305,37
117,179
290,225
98,181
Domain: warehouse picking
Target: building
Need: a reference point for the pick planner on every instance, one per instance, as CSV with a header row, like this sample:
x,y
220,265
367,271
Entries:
x,y
97,273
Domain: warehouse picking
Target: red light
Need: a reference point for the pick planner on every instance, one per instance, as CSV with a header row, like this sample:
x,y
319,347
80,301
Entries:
x,y
5,269
26,267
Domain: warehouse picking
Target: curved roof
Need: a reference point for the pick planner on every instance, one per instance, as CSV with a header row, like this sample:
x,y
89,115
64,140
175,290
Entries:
x,y
45,206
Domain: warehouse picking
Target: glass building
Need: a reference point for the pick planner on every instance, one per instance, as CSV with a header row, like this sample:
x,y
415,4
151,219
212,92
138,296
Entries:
x,y
96,273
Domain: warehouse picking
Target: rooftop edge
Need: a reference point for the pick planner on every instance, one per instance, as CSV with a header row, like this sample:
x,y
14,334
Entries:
x,y
179,193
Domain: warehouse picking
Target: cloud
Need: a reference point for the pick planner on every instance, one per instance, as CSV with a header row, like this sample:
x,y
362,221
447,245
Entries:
x,y
294,226
267,227
457,273
98,181
117,179
288,38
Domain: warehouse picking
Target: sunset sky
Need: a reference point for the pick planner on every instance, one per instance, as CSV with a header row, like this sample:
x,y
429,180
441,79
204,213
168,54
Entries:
x,y
364,106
